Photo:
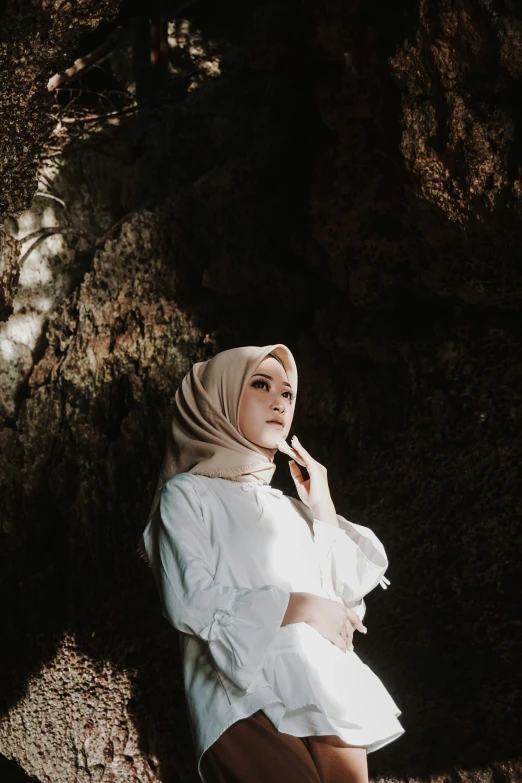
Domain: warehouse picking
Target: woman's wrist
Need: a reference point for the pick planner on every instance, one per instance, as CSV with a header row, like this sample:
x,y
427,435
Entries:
x,y
302,608
326,512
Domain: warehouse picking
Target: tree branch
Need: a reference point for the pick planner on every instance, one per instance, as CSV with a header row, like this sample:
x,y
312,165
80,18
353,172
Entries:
x,y
48,231
84,64
43,233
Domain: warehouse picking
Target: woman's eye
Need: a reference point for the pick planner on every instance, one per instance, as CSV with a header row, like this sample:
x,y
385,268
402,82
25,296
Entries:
x,y
265,385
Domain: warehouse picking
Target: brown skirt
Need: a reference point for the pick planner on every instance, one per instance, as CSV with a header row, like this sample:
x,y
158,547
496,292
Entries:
x,y
252,750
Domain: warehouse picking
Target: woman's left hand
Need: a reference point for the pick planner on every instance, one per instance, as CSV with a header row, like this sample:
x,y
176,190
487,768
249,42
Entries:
x,y
314,491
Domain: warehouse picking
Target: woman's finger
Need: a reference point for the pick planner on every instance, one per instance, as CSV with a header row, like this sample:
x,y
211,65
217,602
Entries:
x,y
311,464
298,446
341,642
283,446
356,621
301,453
295,470
298,453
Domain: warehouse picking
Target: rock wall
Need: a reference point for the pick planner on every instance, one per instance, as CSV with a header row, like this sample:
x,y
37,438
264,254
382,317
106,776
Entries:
x,y
337,179
36,39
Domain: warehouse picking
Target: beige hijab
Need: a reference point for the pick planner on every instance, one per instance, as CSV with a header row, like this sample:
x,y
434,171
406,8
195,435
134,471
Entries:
x,y
204,436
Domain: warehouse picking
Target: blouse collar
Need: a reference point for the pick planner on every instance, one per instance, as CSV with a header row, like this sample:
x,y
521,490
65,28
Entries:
x,y
249,486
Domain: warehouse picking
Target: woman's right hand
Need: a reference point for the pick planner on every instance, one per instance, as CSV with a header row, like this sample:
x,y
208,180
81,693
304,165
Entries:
x,y
335,621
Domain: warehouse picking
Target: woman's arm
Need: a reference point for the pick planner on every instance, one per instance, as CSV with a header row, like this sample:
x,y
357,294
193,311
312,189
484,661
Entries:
x,y
330,615
238,623
350,555
353,556
300,608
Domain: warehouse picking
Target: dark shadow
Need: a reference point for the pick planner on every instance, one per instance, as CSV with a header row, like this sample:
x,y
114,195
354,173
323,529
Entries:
x,y
10,772
403,454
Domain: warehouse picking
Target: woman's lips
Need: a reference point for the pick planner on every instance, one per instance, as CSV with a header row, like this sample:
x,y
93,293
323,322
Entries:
x,y
277,424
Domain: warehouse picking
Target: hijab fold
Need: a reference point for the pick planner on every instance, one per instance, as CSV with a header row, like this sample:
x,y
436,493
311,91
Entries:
x,y
204,436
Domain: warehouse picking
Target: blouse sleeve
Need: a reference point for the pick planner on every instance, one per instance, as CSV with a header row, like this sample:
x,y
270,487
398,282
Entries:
x,y
353,558
237,623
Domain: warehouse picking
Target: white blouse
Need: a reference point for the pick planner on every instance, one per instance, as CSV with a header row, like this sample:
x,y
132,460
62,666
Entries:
x,y
225,556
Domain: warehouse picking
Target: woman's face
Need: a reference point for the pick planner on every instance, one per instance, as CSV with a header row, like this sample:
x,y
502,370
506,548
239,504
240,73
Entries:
x,y
268,396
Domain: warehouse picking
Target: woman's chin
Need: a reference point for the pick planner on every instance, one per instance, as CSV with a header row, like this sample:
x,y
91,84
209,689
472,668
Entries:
x,y
273,443
270,440
269,443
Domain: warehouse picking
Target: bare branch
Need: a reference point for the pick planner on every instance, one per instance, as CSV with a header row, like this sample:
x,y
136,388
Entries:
x,y
112,230
43,233
49,195
83,64
94,117
48,231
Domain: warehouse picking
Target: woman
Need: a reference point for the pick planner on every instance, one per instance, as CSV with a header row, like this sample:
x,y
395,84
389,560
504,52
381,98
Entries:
x,y
267,590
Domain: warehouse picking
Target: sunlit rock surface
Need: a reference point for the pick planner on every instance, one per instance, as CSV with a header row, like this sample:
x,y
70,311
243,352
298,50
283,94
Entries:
x,y
343,181
36,40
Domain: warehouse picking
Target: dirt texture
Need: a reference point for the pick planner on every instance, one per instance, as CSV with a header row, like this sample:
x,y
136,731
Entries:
x,y
36,41
9,273
345,179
